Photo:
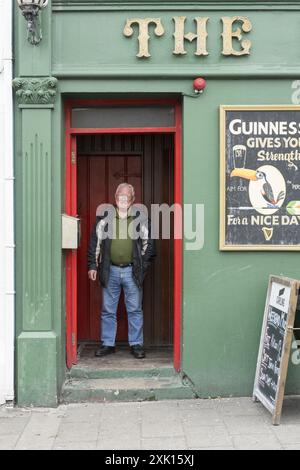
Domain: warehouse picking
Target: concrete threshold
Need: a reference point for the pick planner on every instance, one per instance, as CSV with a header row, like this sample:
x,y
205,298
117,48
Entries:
x,y
125,389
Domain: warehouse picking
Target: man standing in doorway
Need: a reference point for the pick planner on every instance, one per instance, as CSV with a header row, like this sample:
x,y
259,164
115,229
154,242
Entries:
x,y
121,261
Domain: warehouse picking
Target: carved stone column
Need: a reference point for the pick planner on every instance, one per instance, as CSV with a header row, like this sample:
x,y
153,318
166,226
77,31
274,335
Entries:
x,y
36,341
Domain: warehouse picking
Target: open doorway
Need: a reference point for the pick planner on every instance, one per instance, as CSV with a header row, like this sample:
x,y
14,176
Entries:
x,y
109,142
147,162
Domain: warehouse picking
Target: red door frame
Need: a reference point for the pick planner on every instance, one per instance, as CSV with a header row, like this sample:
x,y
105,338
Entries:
x,y
71,209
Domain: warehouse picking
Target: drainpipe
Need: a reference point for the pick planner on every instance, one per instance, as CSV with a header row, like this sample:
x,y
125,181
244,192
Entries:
x,y
7,246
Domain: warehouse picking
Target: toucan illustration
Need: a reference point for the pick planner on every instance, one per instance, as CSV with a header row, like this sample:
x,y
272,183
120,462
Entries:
x,y
266,188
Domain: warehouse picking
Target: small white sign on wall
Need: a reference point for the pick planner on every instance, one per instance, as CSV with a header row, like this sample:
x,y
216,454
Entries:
x,y
70,232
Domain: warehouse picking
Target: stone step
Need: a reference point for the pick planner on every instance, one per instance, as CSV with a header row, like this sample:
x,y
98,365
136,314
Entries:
x,y
125,389
81,372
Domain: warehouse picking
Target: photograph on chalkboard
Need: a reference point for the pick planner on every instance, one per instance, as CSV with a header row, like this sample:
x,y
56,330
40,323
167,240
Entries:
x,y
259,178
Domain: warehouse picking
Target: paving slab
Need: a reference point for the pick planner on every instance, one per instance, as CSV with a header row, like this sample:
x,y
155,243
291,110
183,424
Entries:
x,y
125,443
81,413
13,425
187,424
256,442
201,417
202,437
168,443
76,446
239,425
8,442
161,429
84,432
40,432
288,433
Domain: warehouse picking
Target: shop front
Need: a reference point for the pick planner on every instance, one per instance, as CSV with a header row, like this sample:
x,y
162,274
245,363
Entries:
x,y
108,95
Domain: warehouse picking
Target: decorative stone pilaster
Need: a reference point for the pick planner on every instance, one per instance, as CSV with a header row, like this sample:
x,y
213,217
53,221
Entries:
x,y
36,335
35,90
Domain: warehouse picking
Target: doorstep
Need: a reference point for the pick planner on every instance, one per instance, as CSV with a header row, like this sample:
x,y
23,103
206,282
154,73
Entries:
x,y
125,389
121,377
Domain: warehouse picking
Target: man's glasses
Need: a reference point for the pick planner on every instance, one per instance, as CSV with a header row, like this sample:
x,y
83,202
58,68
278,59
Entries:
x,y
123,198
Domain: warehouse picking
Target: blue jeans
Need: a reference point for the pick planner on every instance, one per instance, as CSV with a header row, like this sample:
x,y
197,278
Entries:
x,y
118,278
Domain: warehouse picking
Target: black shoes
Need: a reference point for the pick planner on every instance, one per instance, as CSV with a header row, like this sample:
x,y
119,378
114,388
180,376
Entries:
x,y
104,351
138,351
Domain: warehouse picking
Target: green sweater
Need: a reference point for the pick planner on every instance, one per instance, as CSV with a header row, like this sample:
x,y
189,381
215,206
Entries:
x,y
121,244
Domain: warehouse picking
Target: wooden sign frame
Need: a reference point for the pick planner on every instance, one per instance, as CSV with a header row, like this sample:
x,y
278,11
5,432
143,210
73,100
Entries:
x,y
223,244
276,409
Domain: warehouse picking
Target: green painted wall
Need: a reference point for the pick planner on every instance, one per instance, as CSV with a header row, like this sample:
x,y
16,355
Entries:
x,y
224,293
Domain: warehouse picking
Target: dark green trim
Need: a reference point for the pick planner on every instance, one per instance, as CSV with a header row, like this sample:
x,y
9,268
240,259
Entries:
x,y
173,72
34,106
60,6
138,4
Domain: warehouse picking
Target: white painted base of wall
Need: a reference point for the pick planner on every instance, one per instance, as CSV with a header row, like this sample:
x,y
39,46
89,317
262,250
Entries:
x,y
7,289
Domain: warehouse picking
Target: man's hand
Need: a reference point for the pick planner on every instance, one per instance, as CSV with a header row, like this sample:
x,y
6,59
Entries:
x,y
92,274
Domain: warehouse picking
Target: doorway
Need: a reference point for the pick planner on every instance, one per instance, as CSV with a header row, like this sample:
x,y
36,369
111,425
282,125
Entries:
x,y
97,160
146,162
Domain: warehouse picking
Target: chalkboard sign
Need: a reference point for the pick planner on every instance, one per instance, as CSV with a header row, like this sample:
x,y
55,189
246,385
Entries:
x,y
275,344
259,178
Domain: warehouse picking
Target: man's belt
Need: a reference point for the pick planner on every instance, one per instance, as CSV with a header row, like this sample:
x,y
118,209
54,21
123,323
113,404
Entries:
x,y
122,265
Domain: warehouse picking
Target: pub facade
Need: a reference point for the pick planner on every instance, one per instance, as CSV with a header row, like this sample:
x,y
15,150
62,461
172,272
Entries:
x,y
196,105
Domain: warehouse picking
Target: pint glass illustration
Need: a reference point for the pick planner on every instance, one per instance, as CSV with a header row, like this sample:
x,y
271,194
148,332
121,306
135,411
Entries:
x,y
239,156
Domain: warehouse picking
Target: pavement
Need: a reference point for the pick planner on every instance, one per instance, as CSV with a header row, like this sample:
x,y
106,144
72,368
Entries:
x,y
234,423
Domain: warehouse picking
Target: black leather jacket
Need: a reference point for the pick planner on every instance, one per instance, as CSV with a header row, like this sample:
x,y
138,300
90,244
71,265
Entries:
x,y
100,243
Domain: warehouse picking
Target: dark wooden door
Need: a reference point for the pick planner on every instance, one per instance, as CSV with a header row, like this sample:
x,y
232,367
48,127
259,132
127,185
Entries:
x,y
146,162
